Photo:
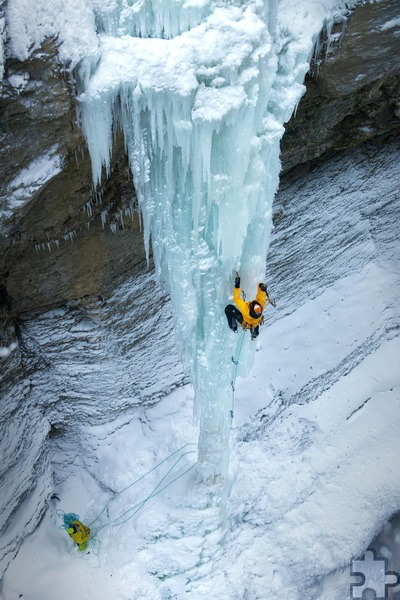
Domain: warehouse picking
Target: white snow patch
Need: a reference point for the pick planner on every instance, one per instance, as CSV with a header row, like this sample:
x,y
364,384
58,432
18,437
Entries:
x,y
70,23
5,351
304,500
390,24
30,180
19,81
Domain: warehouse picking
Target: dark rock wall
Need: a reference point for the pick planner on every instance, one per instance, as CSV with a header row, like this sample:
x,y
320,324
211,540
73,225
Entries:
x,y
61,244
353,89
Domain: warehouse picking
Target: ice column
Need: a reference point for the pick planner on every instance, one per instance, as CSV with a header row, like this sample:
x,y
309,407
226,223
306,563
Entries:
x,y
202,116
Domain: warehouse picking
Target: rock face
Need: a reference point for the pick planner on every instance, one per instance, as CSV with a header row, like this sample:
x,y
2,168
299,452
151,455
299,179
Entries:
x,y
353,89
73,283
60,243
76,365
67,241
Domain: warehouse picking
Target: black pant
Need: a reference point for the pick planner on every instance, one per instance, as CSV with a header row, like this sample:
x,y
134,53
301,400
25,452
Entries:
x,y
234,316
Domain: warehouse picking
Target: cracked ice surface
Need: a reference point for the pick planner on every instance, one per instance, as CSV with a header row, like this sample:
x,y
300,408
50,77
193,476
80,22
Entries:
x,y
315,446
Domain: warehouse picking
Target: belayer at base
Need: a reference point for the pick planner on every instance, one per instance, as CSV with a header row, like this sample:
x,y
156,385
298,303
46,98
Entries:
x,y
248,314
79,533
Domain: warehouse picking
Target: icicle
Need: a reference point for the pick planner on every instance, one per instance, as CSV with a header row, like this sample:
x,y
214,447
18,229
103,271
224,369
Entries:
x,y
149,18
88,207
103,216
202,115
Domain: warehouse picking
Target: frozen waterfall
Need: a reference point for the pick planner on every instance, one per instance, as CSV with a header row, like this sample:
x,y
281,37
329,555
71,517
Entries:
x,y
200,90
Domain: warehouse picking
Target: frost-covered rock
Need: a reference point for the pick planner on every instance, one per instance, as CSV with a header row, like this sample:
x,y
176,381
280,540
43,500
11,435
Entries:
x,y
74,366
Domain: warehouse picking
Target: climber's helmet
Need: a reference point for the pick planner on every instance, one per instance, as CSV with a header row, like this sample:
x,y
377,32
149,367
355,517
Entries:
x,y
256,309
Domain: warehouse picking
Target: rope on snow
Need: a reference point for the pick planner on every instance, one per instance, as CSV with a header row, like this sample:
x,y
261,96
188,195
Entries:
x,y
69,517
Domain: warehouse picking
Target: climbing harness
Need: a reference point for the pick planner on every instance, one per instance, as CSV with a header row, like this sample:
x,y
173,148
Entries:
x,y
68,518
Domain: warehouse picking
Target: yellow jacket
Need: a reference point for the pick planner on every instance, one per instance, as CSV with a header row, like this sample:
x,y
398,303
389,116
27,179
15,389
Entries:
x,y
244,307
80,533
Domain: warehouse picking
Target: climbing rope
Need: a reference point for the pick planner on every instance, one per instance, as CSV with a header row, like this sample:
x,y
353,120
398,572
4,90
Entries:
x,y
136,507
235,362
140,479
69,517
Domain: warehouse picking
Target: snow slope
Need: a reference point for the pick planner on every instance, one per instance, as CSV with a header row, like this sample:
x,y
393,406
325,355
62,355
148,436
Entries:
x,y
315,448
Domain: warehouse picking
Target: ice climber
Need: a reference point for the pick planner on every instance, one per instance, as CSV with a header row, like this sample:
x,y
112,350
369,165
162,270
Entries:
x,y
79,533
248,314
